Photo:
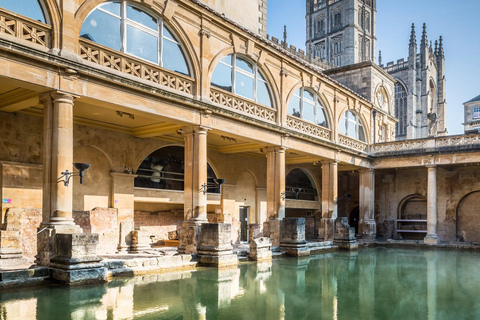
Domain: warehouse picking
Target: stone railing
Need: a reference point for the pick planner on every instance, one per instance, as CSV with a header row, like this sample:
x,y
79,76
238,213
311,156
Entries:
x,y
246,106
459,142
25,29
93,52
308,128
352,143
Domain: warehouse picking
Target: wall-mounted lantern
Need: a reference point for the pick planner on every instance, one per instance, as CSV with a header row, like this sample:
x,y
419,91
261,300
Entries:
x,y
67,175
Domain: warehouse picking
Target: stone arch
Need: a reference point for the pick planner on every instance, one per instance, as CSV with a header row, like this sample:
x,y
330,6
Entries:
x,y
148,152
314,183
54,17
412,207
272,85
157,9
363,120
468,218
96,188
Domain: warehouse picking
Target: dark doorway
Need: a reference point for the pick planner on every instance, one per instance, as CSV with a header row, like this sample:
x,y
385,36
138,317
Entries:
x,y
244,223
354,217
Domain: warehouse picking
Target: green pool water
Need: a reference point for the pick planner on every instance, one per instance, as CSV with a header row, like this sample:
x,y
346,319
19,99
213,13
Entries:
x,y
368,284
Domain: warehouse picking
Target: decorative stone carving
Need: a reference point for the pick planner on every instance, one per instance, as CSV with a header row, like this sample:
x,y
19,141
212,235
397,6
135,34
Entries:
x,y
352,143
32,31
308,128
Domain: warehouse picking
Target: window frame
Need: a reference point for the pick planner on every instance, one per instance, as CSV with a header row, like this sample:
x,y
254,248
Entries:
x,y
318,105
357,123
256,76
159,33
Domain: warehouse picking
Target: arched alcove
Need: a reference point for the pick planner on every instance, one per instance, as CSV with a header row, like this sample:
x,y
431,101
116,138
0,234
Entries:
x,y
468,218
412,217
164,169
299,185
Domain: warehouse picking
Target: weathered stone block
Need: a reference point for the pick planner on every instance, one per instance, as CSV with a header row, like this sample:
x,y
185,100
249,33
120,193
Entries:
x,y
261,249
345,235
75,259
293,240
271,229
326,230
188,238
214,245
255,231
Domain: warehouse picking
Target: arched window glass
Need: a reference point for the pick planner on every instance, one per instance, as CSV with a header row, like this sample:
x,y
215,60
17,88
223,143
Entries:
x,y
300,186
164,169
125,27
351,125
27,8
400,110
305,104
240,76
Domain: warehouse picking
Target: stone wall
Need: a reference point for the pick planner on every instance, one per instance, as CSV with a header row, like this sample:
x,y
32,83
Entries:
x,y
159,223
104,222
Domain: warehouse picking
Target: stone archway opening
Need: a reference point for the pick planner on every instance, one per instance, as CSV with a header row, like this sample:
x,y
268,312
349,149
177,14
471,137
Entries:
x,y
468,218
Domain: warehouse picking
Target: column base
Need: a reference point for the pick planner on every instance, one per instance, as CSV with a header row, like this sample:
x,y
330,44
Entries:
x,y
261,249
271,229
188,238
214,248
369,229
431,239
326,230
45,240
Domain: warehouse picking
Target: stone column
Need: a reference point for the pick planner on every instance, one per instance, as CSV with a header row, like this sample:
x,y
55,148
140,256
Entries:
x,y
195,199
275,192
57,157
431,237
329,200
367,204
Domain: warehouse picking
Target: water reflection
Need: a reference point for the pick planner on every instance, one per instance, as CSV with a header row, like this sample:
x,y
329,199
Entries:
x,y
369,284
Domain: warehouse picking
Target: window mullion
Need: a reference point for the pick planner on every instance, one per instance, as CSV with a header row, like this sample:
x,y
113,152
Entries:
x,y
160,42
255,76
123,26
234,67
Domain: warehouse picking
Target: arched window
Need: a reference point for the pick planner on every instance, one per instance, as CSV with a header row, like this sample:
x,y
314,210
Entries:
x,y
240,76
382,99
300,186
305,104
27,8
125,27
433,97
400,110
351,125
164,169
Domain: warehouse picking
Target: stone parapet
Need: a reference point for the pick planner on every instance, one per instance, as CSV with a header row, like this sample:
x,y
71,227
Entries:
x,y
261,249
292,238
214,245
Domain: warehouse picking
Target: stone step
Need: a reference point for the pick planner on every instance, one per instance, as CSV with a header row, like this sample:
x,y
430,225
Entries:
x,y
25,277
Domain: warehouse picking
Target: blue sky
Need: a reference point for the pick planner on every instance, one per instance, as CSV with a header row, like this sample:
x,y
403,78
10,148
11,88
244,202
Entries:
x,y
456,21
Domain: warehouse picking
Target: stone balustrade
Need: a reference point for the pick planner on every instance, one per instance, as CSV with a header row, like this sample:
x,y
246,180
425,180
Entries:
x,y
24,28
352,143
98,54
459,142
246,106
308,128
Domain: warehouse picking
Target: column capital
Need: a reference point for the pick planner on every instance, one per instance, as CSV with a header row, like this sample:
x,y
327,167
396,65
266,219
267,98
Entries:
x,y
329,162
275,149
61,96
366,170
194,129
431,166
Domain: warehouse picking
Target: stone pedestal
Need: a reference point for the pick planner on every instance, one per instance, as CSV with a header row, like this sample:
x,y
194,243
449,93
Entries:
x,y
344,235
292,239
188,238
214,247
369,230
255,232
75,259
261,249
326,230
140,241
46,239
271,229
125,241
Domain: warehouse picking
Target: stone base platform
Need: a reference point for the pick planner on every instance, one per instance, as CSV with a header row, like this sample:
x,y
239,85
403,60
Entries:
x,y
23,278
321,247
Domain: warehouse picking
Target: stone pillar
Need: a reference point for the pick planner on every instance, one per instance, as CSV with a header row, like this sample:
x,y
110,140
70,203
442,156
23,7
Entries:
x,y
57,157
367,204
329,200
275,192
431,237
122,200
195,203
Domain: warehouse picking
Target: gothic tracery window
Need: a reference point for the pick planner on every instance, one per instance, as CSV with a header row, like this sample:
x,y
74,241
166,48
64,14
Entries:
x,y
305,104
400,110
128,28
28,8
240,76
